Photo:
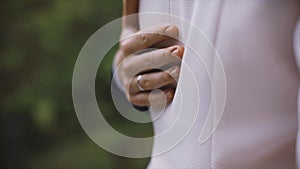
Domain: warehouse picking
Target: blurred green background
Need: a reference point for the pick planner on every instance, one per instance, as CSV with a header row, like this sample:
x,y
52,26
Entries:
x,y
40,41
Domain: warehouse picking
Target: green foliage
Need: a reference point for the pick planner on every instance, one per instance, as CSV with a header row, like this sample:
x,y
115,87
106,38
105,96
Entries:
x,y
39,44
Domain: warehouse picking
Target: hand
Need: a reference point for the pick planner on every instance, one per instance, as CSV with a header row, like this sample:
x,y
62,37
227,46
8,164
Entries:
x,y
138,65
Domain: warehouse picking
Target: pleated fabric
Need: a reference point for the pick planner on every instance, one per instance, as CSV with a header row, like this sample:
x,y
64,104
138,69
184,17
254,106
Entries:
x,y
255,40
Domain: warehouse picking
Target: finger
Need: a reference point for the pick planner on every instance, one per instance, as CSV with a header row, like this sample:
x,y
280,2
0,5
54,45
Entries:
x,y
142,99
179,52
156,80
166,43
155,59
147,38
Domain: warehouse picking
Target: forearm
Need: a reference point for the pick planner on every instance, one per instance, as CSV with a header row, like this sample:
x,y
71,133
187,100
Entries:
x,y
130,7
130,24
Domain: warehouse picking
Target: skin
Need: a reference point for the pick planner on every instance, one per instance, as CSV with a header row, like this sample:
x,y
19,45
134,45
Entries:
x,y
145,52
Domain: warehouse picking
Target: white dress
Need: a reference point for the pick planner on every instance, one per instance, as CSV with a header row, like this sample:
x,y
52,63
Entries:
x,y
255,41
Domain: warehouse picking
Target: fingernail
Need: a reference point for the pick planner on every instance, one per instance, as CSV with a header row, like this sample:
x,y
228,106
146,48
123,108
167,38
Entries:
x,y
171,31
175,72
175,52
178,51
169,95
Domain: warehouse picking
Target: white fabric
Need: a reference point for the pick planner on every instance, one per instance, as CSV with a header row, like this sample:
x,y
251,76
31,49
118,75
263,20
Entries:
x,y
297,53
255,41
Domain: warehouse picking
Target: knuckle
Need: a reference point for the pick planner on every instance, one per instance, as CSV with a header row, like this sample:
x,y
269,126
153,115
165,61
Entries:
x,y
126,45
147,60
123,44
126,66
146,83
142,38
